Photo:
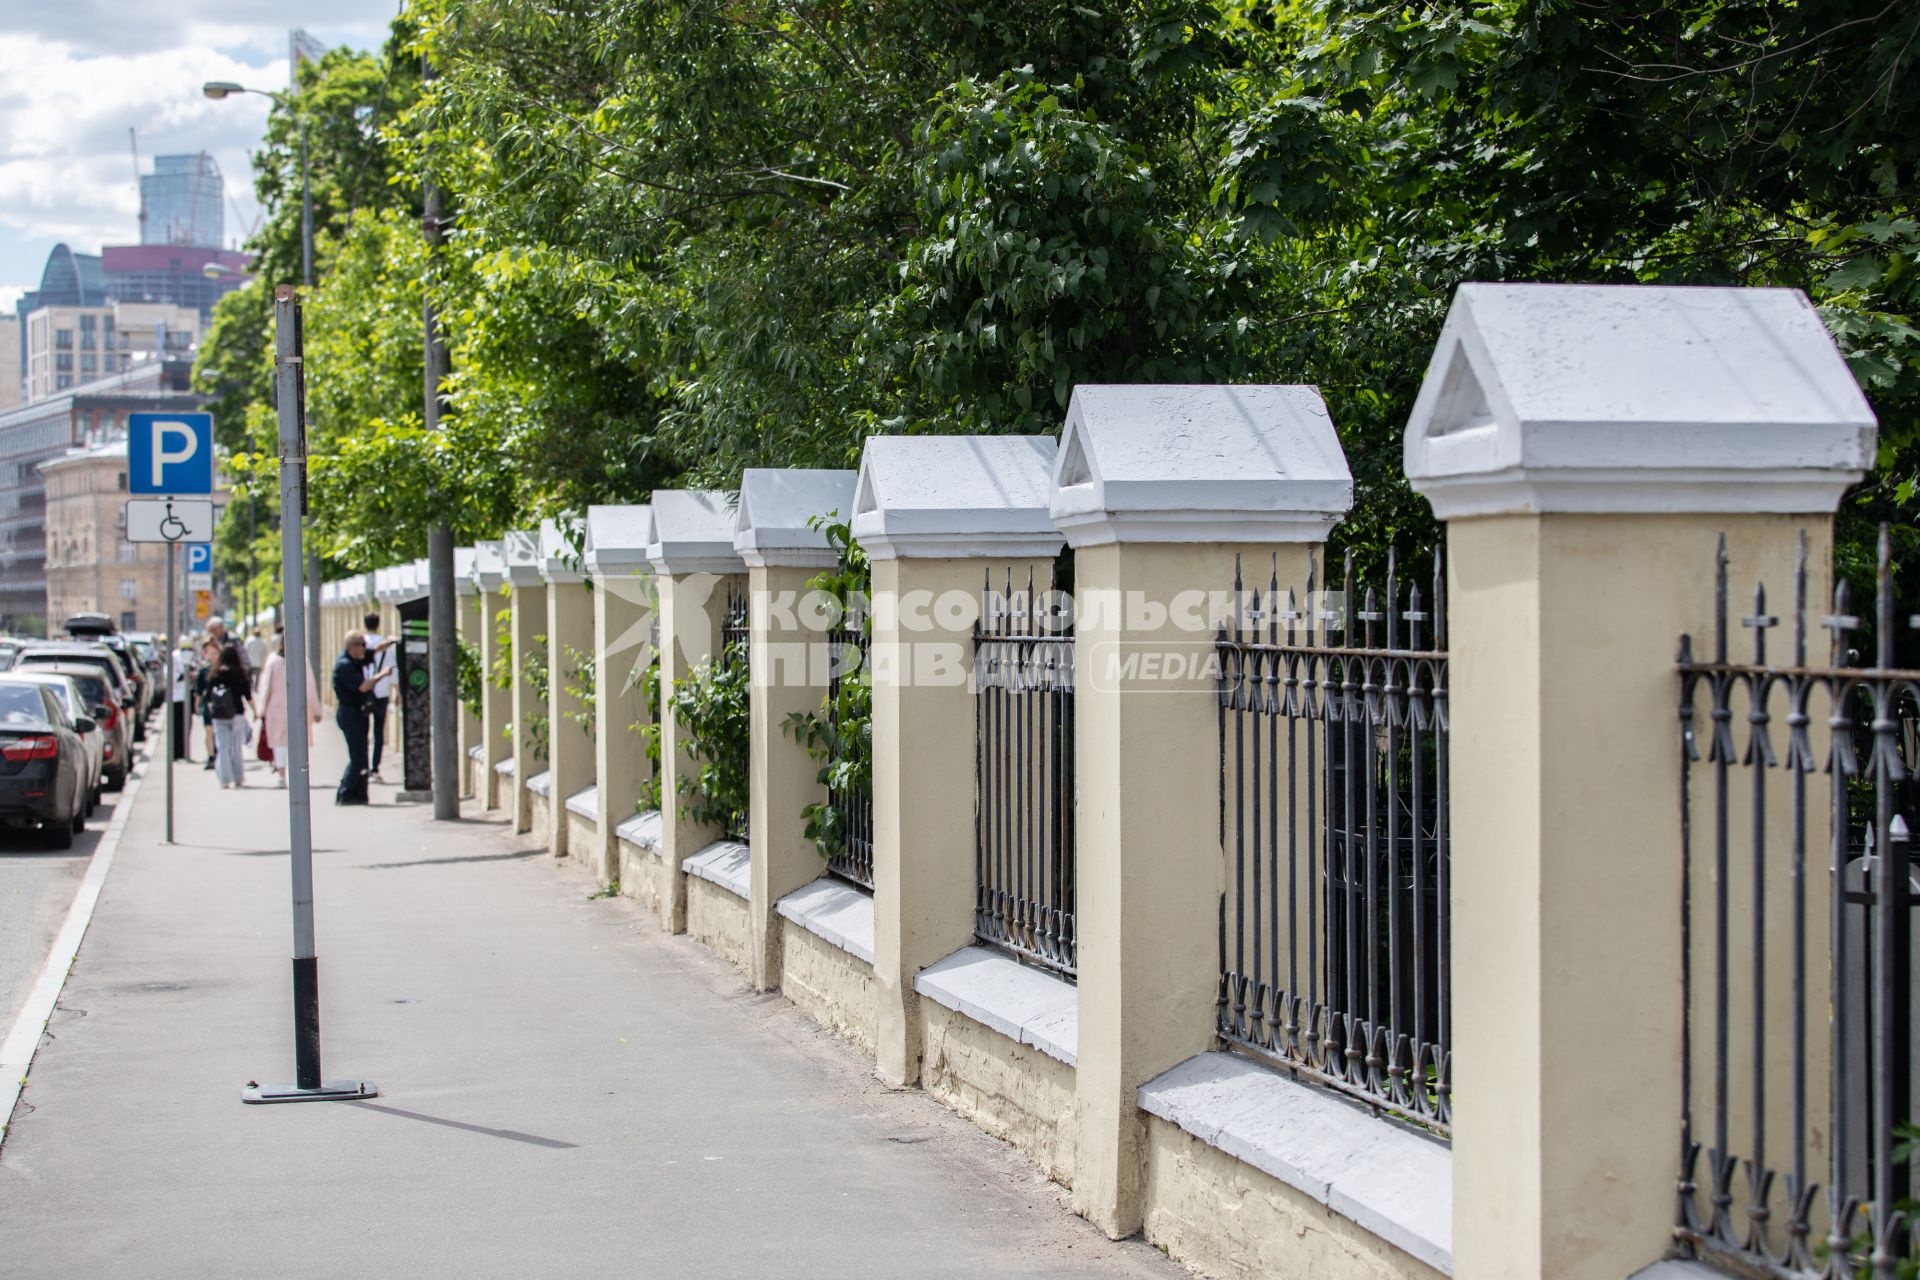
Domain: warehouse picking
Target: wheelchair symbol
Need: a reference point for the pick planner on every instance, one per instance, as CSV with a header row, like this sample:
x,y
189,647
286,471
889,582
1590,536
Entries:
x,y
172,528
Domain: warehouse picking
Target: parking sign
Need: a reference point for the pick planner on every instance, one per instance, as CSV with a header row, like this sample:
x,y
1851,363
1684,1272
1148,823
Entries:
x,y
170,452
200,557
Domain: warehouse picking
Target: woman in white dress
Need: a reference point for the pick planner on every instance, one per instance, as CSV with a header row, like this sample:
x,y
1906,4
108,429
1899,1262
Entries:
x,y
273,706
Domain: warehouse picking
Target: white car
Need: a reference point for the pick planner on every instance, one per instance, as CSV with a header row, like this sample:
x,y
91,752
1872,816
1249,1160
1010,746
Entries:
x,y
94,738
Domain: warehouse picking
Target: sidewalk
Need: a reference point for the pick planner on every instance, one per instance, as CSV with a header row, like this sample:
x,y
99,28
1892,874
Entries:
x,y
565,1091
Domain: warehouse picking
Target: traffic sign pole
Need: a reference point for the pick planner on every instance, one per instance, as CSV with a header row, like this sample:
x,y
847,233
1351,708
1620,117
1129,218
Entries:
x,y
308,1085
173,731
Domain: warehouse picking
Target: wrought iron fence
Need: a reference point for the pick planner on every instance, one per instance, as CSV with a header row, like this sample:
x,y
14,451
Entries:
x,y
1024,784
1798,1055
853,803
736,654
1333,928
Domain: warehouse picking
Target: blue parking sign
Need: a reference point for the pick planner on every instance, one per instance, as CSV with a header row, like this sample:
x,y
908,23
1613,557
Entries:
x,y
199,557
170,452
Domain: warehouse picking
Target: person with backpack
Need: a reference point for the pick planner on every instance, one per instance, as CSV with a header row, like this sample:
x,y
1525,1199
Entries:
x,y
229,699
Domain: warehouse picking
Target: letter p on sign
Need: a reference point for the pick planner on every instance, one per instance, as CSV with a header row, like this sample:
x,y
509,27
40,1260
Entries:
x,y
170,453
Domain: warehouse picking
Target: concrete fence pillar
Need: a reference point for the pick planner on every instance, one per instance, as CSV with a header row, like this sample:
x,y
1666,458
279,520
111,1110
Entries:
x,y
935,515
490,576
1156,526
1587,447
623,628
791,674
528,637
696,567
570,759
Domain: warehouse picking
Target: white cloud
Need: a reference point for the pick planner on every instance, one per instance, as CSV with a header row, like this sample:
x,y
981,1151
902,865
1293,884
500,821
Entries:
x,y
76,74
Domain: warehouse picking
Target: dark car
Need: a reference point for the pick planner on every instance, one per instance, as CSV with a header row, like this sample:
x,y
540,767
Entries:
x,y
102,707
42,763
105,663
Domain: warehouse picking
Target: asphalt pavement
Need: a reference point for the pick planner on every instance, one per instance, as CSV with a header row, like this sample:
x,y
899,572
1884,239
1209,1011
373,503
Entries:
x,y
37,884
565,1090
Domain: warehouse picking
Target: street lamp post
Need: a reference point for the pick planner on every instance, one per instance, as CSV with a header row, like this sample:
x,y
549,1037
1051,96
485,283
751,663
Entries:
x,y
218,90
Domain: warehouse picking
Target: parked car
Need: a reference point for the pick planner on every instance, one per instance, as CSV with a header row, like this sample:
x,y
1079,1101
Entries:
x,y
42,762
146,692
79,708
8,648
105,663
97,697
89,625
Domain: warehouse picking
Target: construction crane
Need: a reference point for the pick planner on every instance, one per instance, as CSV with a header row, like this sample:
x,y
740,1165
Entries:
x,y
140,192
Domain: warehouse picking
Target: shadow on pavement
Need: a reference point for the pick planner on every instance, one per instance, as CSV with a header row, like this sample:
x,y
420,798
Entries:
x,y
515,856
511,1134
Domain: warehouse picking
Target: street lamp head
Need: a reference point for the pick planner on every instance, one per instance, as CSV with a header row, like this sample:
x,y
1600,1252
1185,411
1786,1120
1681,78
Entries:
x,y
217,271
217,89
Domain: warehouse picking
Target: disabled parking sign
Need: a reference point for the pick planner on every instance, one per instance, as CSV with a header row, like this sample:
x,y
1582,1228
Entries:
x,y
170,453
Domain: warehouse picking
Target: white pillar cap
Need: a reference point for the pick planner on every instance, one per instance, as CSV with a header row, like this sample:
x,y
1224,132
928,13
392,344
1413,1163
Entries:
x,y
414,580
934,497
1635,398
521,547
617,540
693,532
771,528
383,584
558,561
489,566
1198,463
463,580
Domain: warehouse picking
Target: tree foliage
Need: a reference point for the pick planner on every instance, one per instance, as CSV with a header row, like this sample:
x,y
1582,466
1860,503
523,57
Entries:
x,y
691,238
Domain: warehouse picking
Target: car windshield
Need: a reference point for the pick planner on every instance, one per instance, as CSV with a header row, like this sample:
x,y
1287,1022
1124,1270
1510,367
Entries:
x,y
21,704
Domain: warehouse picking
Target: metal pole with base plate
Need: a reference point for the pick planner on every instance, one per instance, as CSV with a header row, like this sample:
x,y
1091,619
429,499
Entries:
x,y
290,383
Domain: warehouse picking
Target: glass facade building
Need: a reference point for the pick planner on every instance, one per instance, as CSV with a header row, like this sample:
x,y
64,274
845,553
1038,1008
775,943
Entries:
x,y
181,202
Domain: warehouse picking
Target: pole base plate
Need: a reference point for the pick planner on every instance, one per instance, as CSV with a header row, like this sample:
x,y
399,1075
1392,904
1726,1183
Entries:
x,y
329,1091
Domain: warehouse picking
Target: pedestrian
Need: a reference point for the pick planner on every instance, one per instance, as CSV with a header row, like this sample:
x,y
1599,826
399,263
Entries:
x,y
217,632
202,676
273,705
229,699
256,651
179,707
380,667
353,698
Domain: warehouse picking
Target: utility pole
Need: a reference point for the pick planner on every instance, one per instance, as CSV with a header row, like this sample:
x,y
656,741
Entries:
x,y
443,654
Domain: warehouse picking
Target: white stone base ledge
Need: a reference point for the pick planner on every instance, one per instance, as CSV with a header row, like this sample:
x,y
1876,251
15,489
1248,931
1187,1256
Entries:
x,y
585,803
835,911
1017,1000
1386,1179
505,767
727,863
541,784
1679,1269
642,831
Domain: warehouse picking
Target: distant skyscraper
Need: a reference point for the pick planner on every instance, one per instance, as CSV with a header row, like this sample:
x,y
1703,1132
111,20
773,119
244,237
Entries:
x,y
183,202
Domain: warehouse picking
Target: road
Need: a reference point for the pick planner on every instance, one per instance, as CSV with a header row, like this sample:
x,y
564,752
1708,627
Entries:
x,y
37,885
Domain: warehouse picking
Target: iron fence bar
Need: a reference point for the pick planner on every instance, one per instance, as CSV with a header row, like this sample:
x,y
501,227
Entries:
x,y
1363,1022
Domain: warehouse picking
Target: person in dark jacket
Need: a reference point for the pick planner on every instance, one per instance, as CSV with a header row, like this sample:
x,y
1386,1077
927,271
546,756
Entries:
x,y
353,699
229,698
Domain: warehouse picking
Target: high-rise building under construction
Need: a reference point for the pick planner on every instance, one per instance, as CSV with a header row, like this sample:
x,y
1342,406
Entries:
x,y
181,202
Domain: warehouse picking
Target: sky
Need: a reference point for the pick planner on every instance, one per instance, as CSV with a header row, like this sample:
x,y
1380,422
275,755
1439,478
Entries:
x,y
75,75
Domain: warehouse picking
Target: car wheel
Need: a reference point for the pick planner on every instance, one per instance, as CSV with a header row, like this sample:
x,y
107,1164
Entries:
x,y
59,835
117,780
79,814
